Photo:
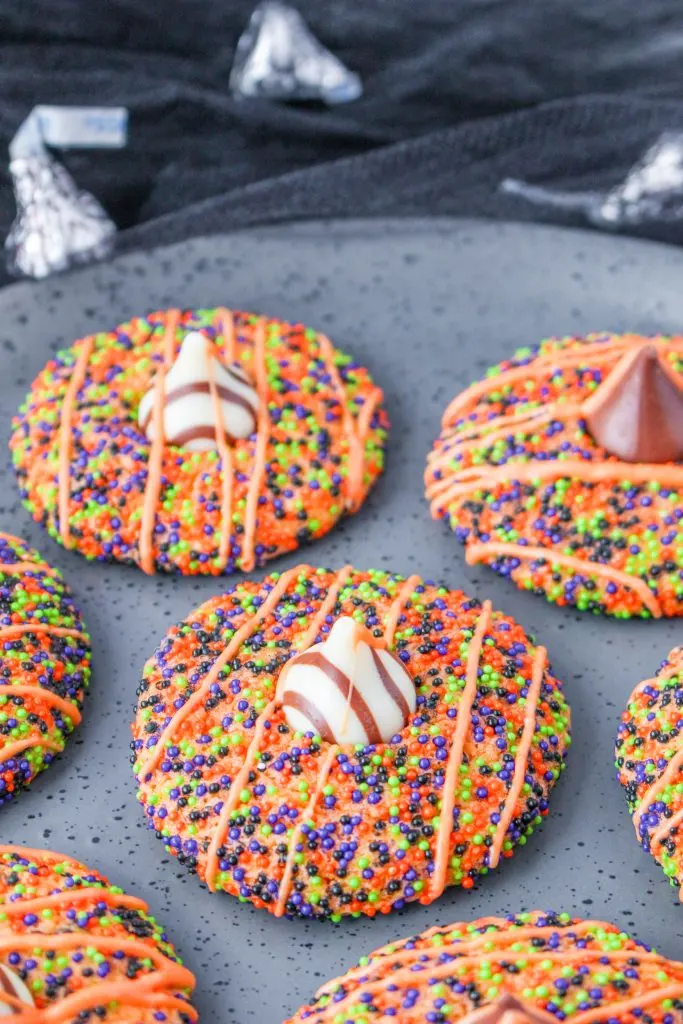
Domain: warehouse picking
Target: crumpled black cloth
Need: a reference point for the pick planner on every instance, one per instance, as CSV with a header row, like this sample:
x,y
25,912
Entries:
x,y
457,97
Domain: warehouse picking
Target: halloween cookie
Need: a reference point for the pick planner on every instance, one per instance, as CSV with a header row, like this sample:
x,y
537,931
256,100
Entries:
x,y
75,948
326,743
562,470
649,762
200,441
537,968
44,665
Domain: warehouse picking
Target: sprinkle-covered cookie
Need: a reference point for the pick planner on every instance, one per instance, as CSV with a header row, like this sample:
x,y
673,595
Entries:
x,y
562,470
200,441
75,948
326,743
44,665
537,968
649,763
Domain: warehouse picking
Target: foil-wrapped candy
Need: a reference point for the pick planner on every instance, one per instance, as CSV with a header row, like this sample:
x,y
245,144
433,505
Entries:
x,y
279,58
651,193
58,224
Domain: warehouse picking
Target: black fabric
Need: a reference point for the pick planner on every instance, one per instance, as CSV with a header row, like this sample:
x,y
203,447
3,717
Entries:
x,y
457,97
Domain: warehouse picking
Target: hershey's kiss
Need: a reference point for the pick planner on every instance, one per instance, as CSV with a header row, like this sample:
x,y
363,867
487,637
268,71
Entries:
x,y
637,412
508,1009
57,223
13,987
279,58
201,397
347,689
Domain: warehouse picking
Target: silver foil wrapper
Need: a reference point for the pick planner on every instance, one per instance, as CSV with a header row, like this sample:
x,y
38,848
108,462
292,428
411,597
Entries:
x,y
279,58
57,224
651,193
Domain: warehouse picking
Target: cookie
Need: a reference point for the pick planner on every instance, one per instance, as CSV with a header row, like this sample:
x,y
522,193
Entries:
x,y
75,948
649,760
198,442
44,665
537,968
562,471
327,743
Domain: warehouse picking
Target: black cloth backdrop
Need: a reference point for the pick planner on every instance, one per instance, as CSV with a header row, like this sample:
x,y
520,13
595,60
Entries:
x,y
458,95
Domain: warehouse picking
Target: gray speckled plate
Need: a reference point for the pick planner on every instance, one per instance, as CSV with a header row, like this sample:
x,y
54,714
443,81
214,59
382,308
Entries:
x,y
427,305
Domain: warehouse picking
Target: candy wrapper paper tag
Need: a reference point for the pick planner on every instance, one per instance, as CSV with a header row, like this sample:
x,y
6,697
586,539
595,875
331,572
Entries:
x,y
58,224
279,58
651,193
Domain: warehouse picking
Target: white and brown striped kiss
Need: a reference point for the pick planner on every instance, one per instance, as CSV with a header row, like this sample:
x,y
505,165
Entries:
x,y
205,401
347,689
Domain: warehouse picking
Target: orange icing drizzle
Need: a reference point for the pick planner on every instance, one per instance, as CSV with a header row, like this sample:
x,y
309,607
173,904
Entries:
x,y
478,552
469,480
592,351
105,944
151,497
138,992
40,627
13,1001
226,471
73,896
242,634
114,991
10,537
283,892
153,484
64,438
667,776
326,607
407,588
26,690
261,449
503,939
657,995
234,794
328,604
502,426
12,749
227,327
521,756
106,992
49,856
365,422
64,705
355,478
355,432
410,976
25,566
12,567
438,880
483,429
669,474
662,832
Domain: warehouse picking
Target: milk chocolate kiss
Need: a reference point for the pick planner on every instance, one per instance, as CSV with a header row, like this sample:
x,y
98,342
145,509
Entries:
x,y
637,412
508,1009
